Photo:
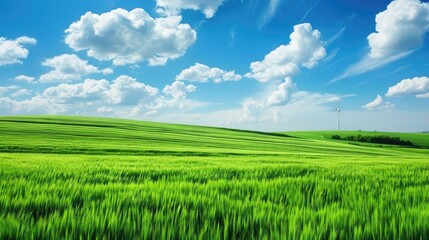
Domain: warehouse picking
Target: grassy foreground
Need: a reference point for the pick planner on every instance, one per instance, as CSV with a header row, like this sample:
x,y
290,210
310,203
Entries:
x,y
74,177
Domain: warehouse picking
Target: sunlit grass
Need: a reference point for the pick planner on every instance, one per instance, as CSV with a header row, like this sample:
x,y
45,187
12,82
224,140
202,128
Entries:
x,y
136,180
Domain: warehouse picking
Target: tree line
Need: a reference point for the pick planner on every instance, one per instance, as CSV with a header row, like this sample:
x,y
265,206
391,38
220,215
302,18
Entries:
x,y
383,139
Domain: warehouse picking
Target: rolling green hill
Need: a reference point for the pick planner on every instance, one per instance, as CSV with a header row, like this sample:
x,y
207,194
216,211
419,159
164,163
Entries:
x,y
97,178
53,134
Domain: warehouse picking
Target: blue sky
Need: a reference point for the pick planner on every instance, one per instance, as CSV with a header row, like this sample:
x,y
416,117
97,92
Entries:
x,y
265,65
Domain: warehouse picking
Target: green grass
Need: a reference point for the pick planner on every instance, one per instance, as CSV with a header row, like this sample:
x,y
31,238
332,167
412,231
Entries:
x,y
75,177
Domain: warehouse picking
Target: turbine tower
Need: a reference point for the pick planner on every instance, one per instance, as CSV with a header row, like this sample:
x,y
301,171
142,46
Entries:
x,y
338,110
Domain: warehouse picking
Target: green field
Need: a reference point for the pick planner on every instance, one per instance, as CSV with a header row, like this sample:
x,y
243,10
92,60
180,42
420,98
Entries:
x,y
77,177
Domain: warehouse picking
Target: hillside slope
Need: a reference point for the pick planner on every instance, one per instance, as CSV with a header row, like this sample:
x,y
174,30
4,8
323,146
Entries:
x,y
60,134
95,178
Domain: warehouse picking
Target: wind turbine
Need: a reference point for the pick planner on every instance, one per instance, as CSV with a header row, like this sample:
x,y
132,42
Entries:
x,y
338,110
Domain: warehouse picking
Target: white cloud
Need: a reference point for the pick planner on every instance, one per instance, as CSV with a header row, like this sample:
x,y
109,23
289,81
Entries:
x,y
37,104
174,7
178,89
399,29
24,40
123,97
303,109
21,92
124,90
107,71
366,64
268,14
336,36
130,37
175,100
315,4
202,73
127,90
90,89
24,78
371,105
12,51
264,72
337,98
14,91
266,107
67,67
6,90
282,94
305,49
379,104
165,105
105,110
250,112
387,107
418,86
333,99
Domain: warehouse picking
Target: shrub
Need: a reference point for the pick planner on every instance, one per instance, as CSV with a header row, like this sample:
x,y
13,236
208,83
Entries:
x,y
337,137
382,139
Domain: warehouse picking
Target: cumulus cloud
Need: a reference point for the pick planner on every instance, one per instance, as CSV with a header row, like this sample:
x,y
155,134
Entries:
x,y
304,49
24,40
266,107
379,104
282,94
90,89
107,71
202,73
127,90
250,112
124,90
178,89
175,97
25,79
399,29
128,37
12,51
66,68
37,104
418,86
124,96
255,112
174,7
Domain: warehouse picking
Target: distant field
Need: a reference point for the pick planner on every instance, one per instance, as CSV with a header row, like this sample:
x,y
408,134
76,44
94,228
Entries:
x,y
418,139
76,177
